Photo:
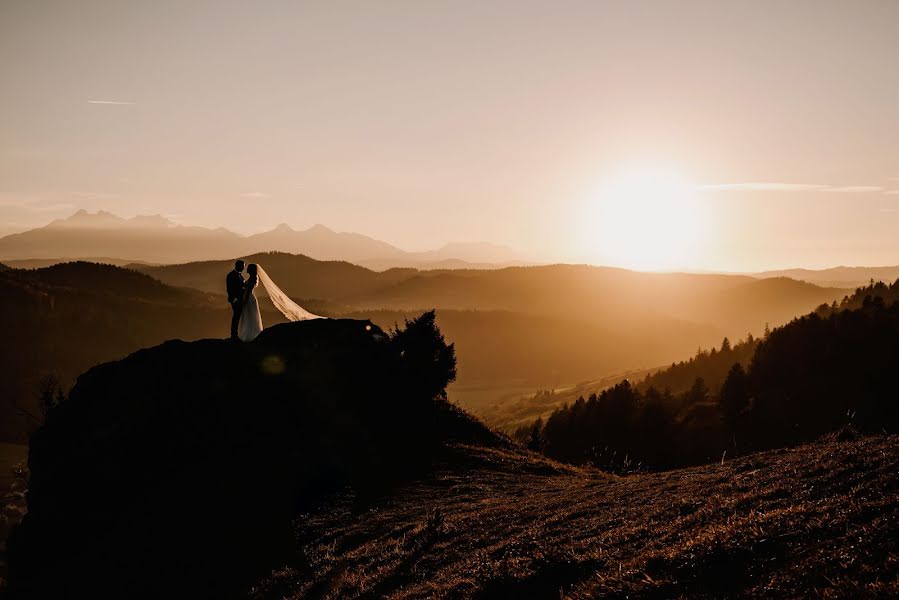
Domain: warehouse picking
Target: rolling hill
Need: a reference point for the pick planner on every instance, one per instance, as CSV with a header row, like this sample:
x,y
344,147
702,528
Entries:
x,y
63,319
520,329
847,277
615,297
40,263
69,317
301,277
732,304
517,330
524,328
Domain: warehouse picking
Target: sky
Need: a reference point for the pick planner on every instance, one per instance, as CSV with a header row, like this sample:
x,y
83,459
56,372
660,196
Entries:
x,y
712,135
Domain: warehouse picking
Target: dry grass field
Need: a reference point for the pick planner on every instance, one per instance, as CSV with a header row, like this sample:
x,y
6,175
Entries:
x,y
821,520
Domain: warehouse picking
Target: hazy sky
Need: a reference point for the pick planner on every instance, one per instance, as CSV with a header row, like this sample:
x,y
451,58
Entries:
x,y
423,122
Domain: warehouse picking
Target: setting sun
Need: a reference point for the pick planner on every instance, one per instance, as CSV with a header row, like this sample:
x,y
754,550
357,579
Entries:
x,y
644,218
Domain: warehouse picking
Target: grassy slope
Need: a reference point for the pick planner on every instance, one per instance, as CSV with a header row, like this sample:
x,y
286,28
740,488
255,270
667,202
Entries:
x,y
815,520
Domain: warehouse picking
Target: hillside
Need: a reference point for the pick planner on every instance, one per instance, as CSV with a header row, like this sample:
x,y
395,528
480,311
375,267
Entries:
x,y
212,445
586,324
640,302
517,413
105,279
845,277
69,317
61,320
677,311
713,365
299,276
816,520
820,372
320,462
40,263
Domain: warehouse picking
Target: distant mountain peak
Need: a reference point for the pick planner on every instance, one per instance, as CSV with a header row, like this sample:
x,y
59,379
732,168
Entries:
x,y
84,218
157,239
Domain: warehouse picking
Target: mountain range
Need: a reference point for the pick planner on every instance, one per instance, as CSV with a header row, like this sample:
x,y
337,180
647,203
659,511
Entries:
x,y
155,239
838,276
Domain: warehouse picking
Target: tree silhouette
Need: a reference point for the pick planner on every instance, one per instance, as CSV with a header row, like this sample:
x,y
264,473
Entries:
x,y
699,391
535,442
734,397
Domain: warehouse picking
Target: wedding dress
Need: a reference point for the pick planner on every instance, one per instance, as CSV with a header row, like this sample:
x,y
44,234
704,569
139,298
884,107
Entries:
x,y
251,319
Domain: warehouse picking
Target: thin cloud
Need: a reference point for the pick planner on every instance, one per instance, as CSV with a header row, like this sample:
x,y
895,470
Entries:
x,y
854,189
777,186
115,102
763,186
254,195
892,192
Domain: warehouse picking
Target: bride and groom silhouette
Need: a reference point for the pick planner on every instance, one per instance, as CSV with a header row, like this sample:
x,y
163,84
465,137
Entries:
x,y
246,320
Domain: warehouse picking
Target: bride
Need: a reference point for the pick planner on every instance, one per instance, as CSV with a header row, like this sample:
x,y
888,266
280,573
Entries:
x,y
250,319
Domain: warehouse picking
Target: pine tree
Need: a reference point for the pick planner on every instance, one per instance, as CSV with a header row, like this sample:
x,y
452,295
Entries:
x,y
734,399
698,392
535,443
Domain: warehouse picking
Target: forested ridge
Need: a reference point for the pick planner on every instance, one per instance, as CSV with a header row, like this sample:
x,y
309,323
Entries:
x,y
832,368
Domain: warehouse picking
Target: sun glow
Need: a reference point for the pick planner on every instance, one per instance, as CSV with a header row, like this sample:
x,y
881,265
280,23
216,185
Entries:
x,y
645,219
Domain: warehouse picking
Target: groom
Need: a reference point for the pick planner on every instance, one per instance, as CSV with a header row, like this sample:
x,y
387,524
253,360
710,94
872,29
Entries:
x,y
234,284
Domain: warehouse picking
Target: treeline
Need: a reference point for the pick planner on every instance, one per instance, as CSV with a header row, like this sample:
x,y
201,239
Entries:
x,y
833,367
711,366
888,293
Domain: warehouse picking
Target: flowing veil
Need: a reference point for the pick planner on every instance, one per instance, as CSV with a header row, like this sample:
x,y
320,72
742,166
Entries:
x,y
289,308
